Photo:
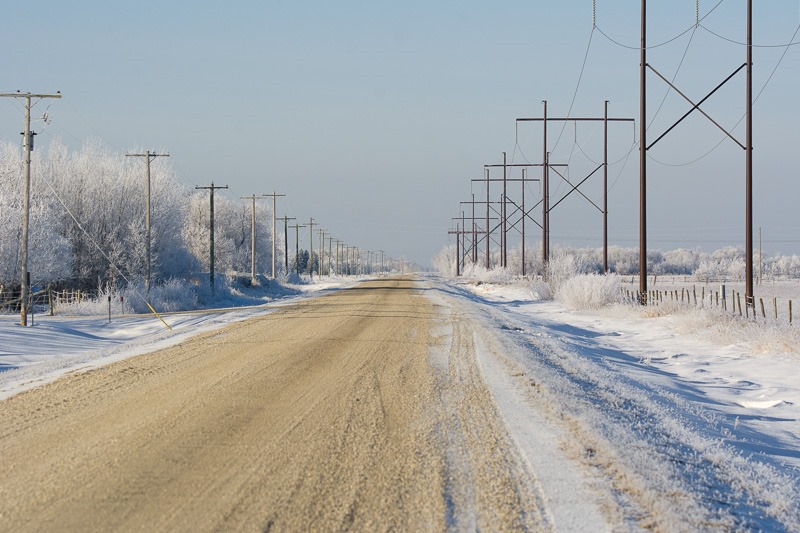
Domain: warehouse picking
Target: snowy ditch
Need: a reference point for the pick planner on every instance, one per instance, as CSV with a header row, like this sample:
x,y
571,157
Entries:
x,y
681,433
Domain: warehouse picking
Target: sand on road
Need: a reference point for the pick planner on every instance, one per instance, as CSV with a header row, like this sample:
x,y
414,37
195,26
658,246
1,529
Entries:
x,y
363,409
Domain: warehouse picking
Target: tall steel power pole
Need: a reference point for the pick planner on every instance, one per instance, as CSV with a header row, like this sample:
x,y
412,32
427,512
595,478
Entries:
x,y
28,141
643,160
311,247
748,240
149,157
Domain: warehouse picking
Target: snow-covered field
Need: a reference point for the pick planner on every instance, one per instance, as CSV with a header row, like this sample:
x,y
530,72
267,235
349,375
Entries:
x,y
681,428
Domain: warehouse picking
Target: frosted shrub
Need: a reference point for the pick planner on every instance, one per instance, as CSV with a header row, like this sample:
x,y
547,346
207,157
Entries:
x,y
445,261
174,295
589,291
494,275
93,306
561,267
540,291
713,325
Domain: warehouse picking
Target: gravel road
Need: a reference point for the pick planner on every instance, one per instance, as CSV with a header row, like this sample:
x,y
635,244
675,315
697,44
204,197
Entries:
x,y
363,409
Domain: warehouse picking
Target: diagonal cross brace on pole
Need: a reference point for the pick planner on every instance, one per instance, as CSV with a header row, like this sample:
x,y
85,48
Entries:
x,y
575,188
748,148
697,105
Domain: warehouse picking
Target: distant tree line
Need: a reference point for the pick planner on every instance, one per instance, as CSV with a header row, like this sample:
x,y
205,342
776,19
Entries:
x,y
724,264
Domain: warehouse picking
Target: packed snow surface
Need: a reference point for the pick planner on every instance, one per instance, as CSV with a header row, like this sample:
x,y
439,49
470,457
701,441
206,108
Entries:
x,y
51,347
679,430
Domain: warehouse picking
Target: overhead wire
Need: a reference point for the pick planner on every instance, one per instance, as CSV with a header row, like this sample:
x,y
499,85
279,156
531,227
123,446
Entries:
x,y
758,95
674,77
791,42
668,41
577,86
100,249
86,122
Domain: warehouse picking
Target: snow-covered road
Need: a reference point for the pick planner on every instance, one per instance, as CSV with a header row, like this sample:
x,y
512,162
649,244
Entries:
x,y
666,430
625,421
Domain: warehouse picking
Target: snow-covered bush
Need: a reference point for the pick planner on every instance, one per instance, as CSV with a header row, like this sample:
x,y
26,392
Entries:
x,y
589,291
445,261
540,291
562,266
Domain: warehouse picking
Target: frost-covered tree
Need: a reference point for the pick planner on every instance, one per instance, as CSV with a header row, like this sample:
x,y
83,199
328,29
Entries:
x,y
48,251
232,234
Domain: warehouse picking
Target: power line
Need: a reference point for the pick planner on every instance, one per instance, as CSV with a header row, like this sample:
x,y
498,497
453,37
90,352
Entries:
x,y
100,249
577,86
668,41
763,88
69,103
791,42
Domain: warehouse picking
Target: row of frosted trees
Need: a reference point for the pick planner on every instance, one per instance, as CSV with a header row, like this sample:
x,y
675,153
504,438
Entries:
x,y
87,223
724,264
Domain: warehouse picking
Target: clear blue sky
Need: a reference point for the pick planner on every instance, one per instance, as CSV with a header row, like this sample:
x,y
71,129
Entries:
x,y
373,116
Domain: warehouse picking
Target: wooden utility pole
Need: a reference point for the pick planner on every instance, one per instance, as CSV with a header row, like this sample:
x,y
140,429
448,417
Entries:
x,y
330,254
274,196
286,240
297,246
253,234
311,247
149,157
321,262
211,190
27,140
